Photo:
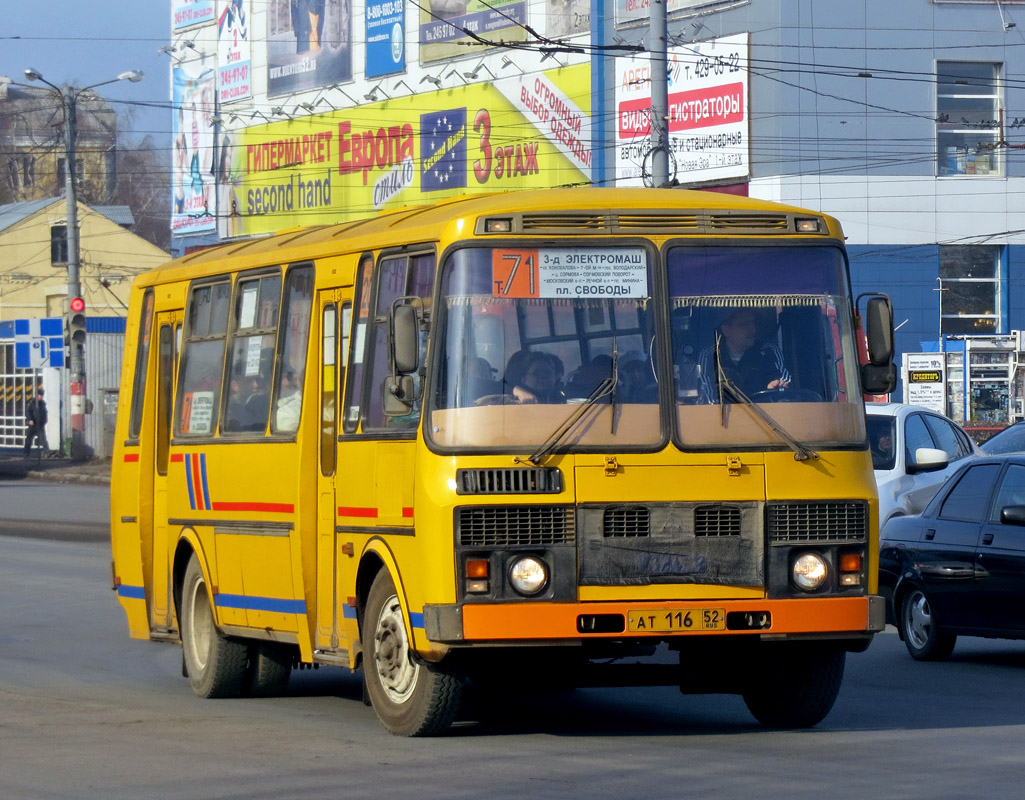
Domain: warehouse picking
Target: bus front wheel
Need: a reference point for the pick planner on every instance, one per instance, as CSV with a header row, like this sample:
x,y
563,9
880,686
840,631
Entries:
x,y
797,685
410,697
216,665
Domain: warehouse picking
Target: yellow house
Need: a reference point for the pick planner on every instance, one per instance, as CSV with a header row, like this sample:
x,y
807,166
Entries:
x,y
34,252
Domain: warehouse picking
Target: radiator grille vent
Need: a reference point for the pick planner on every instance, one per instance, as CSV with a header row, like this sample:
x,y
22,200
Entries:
x,y
520,480
626,521
717,521
653,222
506,526
835,521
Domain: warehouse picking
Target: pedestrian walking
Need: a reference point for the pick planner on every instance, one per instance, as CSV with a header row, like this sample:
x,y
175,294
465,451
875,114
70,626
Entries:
x,y
35,423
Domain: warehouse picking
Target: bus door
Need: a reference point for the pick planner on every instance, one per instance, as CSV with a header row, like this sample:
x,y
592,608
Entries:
x,y
335,314
168,327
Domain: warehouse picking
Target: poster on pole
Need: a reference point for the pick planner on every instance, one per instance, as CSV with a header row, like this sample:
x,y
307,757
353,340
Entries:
x,y
309,44
192,171
234,64
924,381
708,114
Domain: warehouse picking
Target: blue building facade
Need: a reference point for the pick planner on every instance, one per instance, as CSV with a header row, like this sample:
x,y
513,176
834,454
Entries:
x,y
905,120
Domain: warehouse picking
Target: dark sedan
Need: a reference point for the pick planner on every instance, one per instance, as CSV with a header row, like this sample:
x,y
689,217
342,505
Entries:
x,y
958,568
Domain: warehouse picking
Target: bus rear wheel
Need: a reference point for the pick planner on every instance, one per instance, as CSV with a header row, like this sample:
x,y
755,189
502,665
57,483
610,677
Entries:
x,y
216,665
410,697
797,686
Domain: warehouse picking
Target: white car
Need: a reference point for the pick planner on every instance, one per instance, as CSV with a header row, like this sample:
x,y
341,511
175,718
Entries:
x,y
924,449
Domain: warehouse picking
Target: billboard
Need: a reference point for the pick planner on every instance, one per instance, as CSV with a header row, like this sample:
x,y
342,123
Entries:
x,y
527,131
234,65
385,37
452,27
185,13
309,44
708,119
192,171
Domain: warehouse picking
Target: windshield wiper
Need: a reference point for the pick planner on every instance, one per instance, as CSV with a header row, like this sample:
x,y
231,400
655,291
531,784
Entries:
x,y
801,453
604,389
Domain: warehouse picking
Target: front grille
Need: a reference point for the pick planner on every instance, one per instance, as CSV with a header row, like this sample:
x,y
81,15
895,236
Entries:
x,y
769,222
626,521
507,526
517,480
832,521
717,521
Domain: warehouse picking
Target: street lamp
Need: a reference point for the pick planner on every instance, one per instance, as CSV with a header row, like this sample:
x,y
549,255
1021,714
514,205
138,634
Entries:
x,y
68,98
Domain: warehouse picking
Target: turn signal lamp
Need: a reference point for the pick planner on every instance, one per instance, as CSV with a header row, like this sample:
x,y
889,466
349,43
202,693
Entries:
x,y
477,574
850,569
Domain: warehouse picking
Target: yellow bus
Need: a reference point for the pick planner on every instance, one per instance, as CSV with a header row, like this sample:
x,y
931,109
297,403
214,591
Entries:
x,y
530,439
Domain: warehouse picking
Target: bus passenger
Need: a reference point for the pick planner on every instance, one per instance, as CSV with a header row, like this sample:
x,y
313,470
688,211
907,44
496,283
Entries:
x,y
539,382
752,368
286,414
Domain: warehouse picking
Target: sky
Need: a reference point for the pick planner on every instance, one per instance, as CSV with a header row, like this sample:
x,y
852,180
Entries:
x,y
86,42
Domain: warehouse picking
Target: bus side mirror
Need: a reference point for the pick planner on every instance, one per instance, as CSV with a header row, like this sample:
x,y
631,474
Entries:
x,y
404,343
405,340
879,375
879,330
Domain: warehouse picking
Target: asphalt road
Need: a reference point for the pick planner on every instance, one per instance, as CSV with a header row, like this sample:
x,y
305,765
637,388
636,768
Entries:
x,y
85,712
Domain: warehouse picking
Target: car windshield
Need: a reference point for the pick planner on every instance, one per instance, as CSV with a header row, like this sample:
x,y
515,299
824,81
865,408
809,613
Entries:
x,y
1009,440
882,437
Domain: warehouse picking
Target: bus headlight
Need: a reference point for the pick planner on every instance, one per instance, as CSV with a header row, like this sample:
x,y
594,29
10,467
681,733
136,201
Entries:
x,y
528,575
809,571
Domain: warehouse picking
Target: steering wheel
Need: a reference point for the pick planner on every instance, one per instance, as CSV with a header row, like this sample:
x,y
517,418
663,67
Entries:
x,y
786,394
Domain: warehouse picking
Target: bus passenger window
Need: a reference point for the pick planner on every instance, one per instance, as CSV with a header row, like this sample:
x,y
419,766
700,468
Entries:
x,y
203,359
254,331
141,365
297,307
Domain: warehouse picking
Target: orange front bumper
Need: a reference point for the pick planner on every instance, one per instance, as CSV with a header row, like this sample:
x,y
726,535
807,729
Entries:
x,y
842,616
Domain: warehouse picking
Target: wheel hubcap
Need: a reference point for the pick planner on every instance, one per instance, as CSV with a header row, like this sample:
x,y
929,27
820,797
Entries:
x,y
397,672
918,620
201,625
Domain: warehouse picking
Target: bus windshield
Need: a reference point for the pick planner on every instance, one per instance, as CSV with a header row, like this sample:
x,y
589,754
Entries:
x,y
762,325
558,346
530,335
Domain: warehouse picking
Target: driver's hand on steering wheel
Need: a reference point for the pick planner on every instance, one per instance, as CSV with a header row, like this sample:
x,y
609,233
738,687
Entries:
x,y
778,384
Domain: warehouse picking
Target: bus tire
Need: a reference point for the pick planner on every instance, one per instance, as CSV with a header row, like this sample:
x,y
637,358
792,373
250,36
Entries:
x,y
797,686
270,666
410,697
215,663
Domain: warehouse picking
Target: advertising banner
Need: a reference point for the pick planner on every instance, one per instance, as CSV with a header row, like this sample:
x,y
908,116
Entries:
x,y
634,11
193,168
924,382
567,18
309,44
386,37
516,133
185,13
453,27
708,121
234,66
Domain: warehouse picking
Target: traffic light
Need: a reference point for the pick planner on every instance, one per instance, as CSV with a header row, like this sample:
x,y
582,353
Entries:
x,y
76,321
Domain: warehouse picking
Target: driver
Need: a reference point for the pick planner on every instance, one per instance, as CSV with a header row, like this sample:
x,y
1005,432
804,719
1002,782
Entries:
x,y
753,368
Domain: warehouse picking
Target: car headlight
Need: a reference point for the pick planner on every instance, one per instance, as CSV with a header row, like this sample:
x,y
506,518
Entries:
x,y
528,575
809,571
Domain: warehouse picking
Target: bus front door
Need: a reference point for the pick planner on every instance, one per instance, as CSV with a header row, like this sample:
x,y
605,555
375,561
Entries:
x,y
167,347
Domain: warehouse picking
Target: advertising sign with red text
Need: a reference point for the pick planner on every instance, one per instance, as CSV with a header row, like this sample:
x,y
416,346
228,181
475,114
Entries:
x,y
234,66
708,120
515,133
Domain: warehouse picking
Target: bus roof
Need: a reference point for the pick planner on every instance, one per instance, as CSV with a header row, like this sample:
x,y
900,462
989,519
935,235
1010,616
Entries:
x,y
426,223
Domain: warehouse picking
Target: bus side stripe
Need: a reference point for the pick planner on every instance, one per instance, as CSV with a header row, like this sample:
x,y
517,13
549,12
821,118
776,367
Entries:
x,y
356,511
270,508
188,483
134,592
206,489
276,604
416,620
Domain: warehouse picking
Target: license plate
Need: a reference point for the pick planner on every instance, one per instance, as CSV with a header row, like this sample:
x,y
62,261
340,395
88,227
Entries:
x,y
669,620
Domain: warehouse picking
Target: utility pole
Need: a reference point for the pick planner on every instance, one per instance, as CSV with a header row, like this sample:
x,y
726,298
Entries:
x,y
68,98
658,35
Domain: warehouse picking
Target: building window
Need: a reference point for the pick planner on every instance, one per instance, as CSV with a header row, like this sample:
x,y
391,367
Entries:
x,y
28,171
61,178
970,289
58,245
968,124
